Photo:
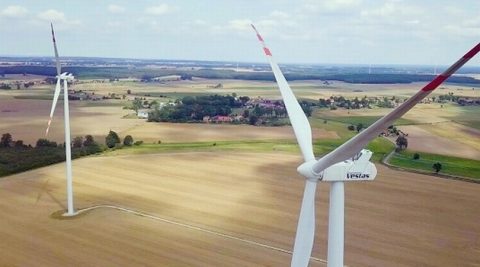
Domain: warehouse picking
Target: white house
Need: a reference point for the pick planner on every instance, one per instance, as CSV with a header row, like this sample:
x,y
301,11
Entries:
x,y
143,113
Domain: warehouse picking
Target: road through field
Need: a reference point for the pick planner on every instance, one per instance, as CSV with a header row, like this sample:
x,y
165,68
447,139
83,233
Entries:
x,y
400,219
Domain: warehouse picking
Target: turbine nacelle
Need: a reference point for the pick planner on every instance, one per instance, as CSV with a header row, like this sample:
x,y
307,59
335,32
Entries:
x,y
359,168
66,77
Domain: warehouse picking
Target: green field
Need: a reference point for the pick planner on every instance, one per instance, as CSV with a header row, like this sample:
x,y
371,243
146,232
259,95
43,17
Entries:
x,y
379,146
365,120
450,165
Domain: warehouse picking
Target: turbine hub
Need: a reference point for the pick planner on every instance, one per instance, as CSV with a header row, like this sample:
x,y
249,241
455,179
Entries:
x,y
306,170
66,76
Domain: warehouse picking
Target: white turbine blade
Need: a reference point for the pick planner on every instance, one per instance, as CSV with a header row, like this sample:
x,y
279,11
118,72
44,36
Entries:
x,y
54,103
358,142
299,121
305,228
57,59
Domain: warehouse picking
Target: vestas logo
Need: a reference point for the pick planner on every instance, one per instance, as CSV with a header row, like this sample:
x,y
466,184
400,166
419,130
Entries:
x,y
357,175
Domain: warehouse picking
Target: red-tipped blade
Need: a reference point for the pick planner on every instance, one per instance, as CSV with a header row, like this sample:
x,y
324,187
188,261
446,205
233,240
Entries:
x,y
358,142
57,59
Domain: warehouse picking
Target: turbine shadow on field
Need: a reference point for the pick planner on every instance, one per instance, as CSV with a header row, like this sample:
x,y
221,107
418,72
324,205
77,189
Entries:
x,y
47,188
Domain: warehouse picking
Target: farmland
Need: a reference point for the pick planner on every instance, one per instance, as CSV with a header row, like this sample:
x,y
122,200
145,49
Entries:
x,y
25,113
228,195
250,196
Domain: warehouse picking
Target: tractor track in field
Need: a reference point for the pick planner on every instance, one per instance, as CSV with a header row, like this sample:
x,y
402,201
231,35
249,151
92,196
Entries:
x,y
184,225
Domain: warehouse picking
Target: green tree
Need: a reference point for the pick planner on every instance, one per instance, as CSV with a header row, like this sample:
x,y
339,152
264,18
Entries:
x,y
112,139
19,144
307,109
437,167
6,140
88,141
137,104
402,142
128,140
42,142
359,127
252,119
77,142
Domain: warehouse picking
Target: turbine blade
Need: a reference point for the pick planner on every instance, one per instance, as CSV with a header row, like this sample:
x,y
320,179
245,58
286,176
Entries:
x,y
305,228
57,59
299,121
358,142
54,103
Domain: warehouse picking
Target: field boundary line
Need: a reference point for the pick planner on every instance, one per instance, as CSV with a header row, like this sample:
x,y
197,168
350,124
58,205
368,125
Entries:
x,y
192,227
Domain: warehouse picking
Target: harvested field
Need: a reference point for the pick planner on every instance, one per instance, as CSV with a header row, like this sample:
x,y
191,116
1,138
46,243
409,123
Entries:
x,y
401,219
27,120
194,132
443,139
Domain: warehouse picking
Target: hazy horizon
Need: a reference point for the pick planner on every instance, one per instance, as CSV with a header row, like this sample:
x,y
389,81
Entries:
x,y
346,32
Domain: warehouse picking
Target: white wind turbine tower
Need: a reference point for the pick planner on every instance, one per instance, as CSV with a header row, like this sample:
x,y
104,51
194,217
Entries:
x,y
348,162
65,77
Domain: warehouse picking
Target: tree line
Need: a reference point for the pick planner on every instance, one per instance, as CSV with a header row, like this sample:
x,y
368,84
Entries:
x,y
293,74
16,156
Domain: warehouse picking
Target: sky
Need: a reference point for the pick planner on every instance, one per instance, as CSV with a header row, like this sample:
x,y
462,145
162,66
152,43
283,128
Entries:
x,y
427,32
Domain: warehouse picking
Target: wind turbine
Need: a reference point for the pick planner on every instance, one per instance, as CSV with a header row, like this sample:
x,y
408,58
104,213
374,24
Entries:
x,y
65,77
348,162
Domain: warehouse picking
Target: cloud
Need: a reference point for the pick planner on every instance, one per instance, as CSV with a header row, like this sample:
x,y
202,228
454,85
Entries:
x,y
329,5
52,15
57,17
14,12
116,9
160,9
240,24
468,27
392,9
279,15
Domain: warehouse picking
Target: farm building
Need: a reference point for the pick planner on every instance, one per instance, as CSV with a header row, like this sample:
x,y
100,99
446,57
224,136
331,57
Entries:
x,y
143,113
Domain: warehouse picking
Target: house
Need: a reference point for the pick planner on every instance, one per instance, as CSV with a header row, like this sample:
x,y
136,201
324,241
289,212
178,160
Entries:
x,y
219,118
168,78
143,113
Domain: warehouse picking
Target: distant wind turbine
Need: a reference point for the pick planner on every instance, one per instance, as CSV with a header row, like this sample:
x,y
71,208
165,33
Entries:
x,y
348,162
65,77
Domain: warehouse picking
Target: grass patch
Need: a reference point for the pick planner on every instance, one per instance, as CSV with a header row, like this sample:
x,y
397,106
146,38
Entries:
x,y
250,146
379,146
365,120
472,124
37,97
450,165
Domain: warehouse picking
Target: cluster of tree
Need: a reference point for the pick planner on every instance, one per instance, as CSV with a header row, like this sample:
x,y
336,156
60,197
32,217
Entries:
x,y
194,108
267,114
15,156
335,102
5,86
210,73
401,142
6,141
437,166
113,140
358,127
446,97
